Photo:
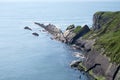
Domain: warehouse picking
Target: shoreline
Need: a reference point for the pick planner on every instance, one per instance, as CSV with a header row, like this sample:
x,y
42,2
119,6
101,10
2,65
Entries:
x,y
96,63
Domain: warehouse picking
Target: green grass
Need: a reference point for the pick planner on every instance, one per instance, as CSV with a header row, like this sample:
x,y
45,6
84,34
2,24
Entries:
x,y
77,29
109,35
97,77
91,72
111,43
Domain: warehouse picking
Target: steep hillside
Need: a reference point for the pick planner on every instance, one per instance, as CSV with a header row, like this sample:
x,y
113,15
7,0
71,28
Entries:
x,y
106,49
107,30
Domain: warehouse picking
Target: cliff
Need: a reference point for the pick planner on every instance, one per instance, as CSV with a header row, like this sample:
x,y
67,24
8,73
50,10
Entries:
x,y
106,48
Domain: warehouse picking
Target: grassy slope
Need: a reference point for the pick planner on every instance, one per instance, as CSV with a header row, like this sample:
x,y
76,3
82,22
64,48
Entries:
x,y
108,37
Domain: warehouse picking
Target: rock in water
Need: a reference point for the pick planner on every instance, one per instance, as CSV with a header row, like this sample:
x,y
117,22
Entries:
x,y
27,28
75,63
55,31
35,34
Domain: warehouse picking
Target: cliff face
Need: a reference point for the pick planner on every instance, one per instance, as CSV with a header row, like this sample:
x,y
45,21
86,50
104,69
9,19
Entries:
x,y
106,49
108,34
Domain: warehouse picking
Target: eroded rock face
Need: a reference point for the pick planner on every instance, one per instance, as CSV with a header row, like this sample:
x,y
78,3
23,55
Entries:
x,y
69,35
106,68
96,21
85,44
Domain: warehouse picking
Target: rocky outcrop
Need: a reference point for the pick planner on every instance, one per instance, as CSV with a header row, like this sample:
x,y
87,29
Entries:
x,y
72,34
52,29
69,36
85,45
101,19
75,63
27,28
70,27
35,34
79,55
85,29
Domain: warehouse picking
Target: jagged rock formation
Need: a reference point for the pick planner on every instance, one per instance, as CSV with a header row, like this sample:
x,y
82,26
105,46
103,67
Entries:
x,y
69,36
52,29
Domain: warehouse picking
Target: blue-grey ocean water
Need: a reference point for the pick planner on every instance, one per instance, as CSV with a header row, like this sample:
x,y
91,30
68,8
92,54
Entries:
x,y
26,57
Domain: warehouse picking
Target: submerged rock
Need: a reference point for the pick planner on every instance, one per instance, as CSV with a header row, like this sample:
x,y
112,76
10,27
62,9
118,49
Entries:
x,y
27,28
35,34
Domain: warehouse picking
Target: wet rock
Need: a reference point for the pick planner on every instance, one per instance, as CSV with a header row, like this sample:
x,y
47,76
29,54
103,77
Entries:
x,y
35,34
27,28
75,63
78,55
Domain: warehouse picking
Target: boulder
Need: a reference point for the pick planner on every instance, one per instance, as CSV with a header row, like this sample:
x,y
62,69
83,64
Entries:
x,y
27,28
35,34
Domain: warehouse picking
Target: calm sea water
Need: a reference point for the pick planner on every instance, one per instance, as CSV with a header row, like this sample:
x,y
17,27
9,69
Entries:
x,y
26,57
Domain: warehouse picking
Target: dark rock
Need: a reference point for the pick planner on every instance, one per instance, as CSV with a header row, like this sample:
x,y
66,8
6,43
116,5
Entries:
x,y
96,21
82,32
106,68
42,25
86,45
116,72
70,27
28,28
97,64
75,63
35,34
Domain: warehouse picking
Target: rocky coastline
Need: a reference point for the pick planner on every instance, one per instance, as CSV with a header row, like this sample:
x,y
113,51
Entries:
x,y
95,61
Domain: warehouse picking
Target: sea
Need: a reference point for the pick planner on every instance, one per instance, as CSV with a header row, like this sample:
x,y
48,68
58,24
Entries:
x,y
27,57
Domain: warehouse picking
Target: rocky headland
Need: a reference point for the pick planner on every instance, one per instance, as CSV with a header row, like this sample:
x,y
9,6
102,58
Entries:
x,y
100,44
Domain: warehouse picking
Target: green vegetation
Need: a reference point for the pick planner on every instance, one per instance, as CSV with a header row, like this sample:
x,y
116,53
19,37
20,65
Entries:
x,y
83,68
70,27
108,36
77,29
97,77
